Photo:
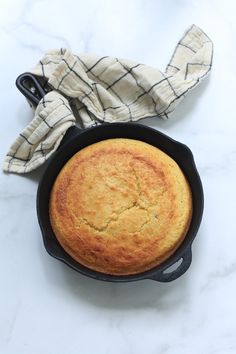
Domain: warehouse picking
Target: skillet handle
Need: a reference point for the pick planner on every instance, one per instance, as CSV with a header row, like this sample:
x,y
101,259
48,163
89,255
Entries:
x,y
30,87
33,91
164,276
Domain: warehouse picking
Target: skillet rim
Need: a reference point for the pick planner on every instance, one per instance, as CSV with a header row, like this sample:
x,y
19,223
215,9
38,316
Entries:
x,y
157,273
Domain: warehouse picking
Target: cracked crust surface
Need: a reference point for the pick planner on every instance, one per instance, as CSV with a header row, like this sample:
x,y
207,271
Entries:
x,y
120,206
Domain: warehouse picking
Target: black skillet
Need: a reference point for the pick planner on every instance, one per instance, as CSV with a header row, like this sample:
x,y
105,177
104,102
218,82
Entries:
x,y
75,140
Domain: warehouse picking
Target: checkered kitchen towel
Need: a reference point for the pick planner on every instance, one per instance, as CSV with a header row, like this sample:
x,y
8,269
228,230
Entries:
x,y
105,89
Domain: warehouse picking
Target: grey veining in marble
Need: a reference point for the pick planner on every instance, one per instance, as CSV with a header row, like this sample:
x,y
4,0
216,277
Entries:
x,y
46,307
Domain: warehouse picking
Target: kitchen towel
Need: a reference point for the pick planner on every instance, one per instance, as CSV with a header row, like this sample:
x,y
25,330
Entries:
x,y
94,90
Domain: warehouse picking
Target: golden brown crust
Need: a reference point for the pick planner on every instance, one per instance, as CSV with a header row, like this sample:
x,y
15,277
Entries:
x,y
120,206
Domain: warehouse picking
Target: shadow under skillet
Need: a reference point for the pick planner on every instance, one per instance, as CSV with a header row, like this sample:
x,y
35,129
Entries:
x,y
118,296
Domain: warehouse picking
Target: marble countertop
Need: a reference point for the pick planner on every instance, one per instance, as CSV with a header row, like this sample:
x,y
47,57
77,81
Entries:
x,y
45,307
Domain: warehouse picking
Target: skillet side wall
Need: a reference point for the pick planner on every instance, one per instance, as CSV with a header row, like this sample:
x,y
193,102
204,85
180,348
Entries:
x,y
75,140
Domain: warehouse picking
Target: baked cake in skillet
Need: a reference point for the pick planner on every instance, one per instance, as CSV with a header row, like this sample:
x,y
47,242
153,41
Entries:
x,y
120,206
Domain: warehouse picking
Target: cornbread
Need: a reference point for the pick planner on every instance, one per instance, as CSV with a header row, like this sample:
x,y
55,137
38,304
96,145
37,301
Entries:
x,y
120,206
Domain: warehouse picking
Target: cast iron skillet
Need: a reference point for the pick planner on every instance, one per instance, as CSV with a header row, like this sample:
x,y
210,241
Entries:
x,y
75,140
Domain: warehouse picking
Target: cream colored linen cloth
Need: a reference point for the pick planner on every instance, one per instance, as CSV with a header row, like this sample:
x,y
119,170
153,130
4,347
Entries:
x,y
104,89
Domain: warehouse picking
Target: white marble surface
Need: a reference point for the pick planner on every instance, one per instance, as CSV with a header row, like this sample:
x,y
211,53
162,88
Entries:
x,y
45,307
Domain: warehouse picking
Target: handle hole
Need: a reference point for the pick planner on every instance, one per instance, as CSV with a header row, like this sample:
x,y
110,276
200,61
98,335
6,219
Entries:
x,y
27,84
173,267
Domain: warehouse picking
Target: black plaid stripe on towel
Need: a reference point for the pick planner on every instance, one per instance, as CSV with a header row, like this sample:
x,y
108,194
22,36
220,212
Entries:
x,y
105,89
